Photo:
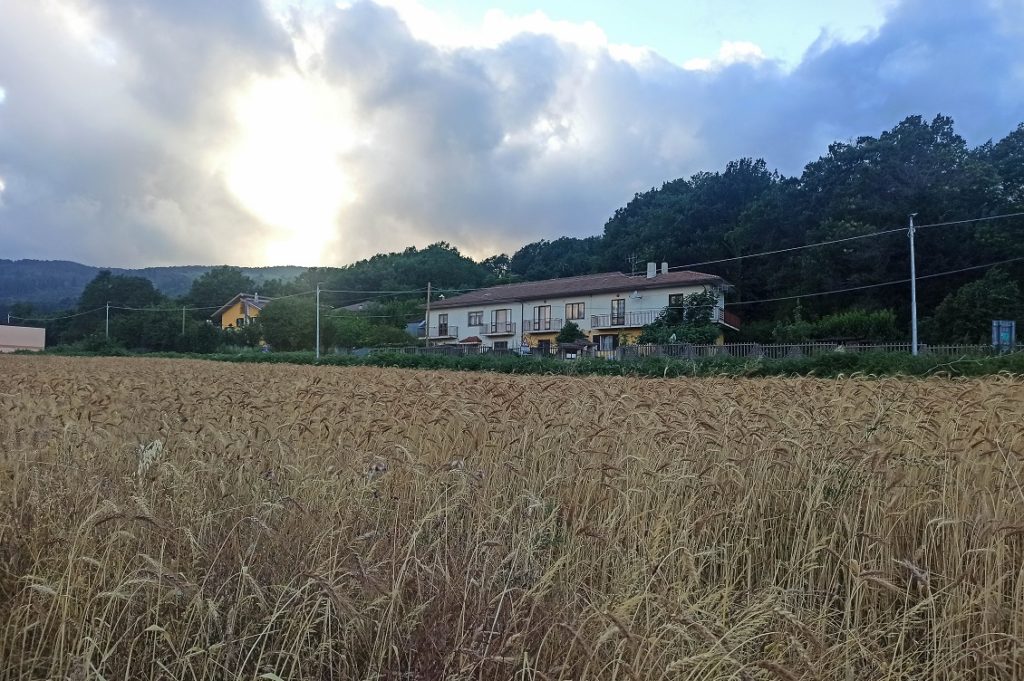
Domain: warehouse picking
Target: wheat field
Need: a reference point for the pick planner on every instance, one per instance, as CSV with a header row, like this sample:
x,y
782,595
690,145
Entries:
x,y
171,519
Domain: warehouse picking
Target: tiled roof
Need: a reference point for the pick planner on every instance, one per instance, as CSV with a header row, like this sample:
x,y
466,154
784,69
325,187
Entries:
x,y
608,282
249,298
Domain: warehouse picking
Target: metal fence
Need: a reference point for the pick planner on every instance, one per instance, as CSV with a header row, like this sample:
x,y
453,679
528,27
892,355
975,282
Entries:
x,y
697,352
798,350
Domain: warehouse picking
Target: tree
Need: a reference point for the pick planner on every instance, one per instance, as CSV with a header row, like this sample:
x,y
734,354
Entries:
x,y
570,333
563,257
499,267
966,315
121,292
218,286
689,322
290,324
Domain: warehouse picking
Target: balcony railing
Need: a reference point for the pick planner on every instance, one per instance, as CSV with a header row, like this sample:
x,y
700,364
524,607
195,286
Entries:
x,y
499,329
626,319
444,331
542,325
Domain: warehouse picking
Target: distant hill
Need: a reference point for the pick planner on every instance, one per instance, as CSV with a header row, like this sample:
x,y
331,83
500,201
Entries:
x,y
56,284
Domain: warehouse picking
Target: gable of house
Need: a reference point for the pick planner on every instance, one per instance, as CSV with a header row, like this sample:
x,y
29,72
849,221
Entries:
x,y
239,311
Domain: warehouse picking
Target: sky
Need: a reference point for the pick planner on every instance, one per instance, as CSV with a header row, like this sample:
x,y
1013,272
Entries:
x,y
308,132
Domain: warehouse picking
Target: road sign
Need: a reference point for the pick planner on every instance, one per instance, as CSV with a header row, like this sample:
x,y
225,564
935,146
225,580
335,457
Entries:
x,y
1004,334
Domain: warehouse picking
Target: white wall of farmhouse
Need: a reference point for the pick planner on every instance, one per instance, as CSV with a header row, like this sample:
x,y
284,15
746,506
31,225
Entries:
x,y
637,308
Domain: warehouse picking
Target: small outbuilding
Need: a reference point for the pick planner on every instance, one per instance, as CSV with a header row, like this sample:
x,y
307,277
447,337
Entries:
x,y
14,338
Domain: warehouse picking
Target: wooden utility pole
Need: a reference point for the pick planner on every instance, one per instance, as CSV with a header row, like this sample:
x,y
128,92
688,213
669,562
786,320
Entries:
x,y
182,320
426,322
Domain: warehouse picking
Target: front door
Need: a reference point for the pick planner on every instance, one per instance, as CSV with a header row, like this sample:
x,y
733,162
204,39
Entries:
x,y
442,325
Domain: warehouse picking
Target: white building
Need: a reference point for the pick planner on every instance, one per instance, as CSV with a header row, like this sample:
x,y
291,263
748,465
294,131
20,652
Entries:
x,y
610,308
15,338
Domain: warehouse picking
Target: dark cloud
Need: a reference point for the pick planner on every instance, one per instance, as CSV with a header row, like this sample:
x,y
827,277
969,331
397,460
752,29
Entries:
x,y
485,147
536,138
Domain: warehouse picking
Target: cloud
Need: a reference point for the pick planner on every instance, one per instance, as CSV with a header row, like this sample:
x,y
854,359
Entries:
x,y
103,134
731,52
196,131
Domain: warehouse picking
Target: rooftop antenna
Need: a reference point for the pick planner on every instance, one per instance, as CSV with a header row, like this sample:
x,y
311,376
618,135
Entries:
x,y
632,260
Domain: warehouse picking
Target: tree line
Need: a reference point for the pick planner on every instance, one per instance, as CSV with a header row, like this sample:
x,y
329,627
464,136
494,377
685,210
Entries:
x,y
141,318
859,188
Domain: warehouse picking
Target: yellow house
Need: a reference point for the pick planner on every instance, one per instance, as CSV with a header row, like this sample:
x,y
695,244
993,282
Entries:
x,y
239,311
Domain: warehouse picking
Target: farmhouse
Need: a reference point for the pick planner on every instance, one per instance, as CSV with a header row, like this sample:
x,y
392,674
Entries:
x,y
610,308
239,311
14,338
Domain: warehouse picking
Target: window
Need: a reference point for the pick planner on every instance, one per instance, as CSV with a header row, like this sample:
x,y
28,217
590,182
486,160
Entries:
x,y
574,311
442,325
618,312
476,319
677,300
500,321
607,342
501,345
240,322
542,318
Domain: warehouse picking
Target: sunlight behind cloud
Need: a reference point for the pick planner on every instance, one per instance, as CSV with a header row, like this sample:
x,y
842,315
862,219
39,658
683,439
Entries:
x,y
285,164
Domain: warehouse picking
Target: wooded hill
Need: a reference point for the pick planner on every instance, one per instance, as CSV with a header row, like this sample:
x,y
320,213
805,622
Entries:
x,y
859,187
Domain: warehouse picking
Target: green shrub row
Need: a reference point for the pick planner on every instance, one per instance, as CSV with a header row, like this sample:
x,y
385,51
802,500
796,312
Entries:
x,y
826,366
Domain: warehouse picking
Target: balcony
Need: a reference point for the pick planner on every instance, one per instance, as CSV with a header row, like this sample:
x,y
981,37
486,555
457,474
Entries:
x,y
499,329
542,325
625,320
444,331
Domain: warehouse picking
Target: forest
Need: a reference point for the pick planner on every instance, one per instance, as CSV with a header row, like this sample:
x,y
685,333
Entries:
x,y
861,191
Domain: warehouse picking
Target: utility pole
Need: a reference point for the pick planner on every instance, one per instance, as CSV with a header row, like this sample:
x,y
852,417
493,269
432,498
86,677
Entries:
x,y
426,322
106,325
182,320
318,321
913,289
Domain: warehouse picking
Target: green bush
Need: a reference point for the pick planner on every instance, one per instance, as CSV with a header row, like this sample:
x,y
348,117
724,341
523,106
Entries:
x,y
875,325
828,365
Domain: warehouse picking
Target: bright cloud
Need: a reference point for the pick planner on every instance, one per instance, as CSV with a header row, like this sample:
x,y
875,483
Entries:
x,y
731,52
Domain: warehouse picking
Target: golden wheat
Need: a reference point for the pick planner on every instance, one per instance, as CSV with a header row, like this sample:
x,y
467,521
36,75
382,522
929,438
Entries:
x,y
164,519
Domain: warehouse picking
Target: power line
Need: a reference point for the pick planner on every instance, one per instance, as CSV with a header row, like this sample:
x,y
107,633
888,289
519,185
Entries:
x,y
290,295
324,290
964,222
884,283
843,240
164,309
53,319
357,315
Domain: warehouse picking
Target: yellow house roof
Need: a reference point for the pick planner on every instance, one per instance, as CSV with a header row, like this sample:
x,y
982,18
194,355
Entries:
x,y
252,299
